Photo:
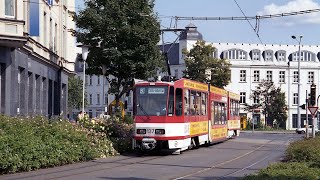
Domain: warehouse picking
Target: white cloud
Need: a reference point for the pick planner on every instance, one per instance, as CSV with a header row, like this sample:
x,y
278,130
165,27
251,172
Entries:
x,y
293,6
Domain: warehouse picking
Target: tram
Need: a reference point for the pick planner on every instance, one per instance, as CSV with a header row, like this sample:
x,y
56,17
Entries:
x,y
183,114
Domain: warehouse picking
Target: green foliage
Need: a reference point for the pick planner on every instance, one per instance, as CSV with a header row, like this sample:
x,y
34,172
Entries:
x,y
75,86
271,100
284,171
303,162
201,65
306,150
128,119
32,143
123,36
117,130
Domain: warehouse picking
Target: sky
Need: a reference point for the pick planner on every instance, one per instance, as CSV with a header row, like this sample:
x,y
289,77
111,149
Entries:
x,y
271,31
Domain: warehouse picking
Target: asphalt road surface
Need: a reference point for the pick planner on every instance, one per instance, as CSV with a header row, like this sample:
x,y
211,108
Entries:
x,y
228,160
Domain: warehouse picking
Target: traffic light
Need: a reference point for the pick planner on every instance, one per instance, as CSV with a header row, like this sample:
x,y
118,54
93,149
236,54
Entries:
x,y
313,95
303,106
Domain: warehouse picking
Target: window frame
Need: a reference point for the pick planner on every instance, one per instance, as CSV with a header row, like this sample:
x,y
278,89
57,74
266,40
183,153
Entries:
x,y
14,3
243,74
295,98
282,76
310,77
295,76
256,76
242,98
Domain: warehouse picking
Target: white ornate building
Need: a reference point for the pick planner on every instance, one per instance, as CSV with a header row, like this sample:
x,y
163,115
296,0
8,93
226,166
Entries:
x,y
98,97
37,55
252,63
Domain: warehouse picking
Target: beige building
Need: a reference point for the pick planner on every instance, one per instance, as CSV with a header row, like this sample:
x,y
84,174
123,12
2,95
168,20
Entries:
x,y
37,54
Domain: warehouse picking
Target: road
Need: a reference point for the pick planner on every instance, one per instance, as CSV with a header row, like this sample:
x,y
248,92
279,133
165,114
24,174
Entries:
x,y
228,160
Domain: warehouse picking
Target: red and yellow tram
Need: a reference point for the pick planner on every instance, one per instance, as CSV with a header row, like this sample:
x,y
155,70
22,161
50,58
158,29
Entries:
x,y
179,115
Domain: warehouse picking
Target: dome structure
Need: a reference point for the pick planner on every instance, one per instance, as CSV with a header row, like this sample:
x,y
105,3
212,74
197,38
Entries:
x,y
191,33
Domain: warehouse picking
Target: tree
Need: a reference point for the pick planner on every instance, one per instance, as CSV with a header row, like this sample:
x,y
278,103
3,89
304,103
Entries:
x,y
201,65
75,93
271,100
123,36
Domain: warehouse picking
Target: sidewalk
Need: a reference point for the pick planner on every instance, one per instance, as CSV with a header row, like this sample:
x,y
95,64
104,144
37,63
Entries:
x,y
269,132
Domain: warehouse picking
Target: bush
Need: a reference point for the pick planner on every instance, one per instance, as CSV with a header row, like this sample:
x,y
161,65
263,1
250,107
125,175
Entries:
x,y
118,131
32,143
284,171
306,150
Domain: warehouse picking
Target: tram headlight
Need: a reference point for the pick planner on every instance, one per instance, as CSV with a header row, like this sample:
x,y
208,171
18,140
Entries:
x,y
141,131
159,131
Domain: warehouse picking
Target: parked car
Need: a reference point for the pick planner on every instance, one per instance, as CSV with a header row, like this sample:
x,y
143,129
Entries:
x,y
303,130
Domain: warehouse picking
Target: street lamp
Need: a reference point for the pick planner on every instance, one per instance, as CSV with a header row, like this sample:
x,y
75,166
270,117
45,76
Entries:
x,y
299,59
104,70
85,52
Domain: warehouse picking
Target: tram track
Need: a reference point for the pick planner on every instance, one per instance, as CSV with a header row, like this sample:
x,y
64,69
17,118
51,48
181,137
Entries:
x,y
104,165
97,164
220,165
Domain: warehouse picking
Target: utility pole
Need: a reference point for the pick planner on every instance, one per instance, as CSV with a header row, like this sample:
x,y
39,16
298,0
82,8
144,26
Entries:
x,y
307,119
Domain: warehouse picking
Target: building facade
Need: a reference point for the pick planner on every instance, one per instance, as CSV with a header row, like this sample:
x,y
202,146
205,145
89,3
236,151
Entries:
x,y
252,63
97,94
37,54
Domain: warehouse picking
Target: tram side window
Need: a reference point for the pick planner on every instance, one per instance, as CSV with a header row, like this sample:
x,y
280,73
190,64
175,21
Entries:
x,y
186,102
178,101
220,114
193,103
198,103
217,112
212,113
223,113
237,108
171,100
203,103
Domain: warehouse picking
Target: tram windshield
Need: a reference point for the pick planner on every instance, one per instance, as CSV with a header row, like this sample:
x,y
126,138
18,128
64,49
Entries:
x,y
151,100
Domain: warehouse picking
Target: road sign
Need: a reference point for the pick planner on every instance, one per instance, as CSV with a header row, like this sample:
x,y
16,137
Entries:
x,y
313,110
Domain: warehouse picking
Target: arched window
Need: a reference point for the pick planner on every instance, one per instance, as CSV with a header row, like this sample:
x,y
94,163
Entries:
x,y
255,54
281,55
268,55
304,56
235,54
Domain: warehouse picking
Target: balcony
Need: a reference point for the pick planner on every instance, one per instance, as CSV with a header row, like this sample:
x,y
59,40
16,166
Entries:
x,y
11,33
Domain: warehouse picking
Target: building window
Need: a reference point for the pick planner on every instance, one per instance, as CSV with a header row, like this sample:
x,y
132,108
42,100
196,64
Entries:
x,y
90,99
9,7
98,80
305,56
255,54
256,100
269,76
268,55
90,80
282,77
105,98
176,73
295,98
98,98
242,75
310,77
281,56
242,97
295,76
45,29
236,54
256,76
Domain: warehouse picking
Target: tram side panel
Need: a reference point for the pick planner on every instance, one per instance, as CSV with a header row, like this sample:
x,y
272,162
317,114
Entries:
x,y
233,114
218,114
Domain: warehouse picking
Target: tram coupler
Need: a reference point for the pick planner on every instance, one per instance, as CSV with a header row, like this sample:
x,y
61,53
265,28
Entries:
x,y
148,144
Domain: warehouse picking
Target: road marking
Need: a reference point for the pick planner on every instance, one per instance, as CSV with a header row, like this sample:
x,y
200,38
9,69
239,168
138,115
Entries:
x,y
220,164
